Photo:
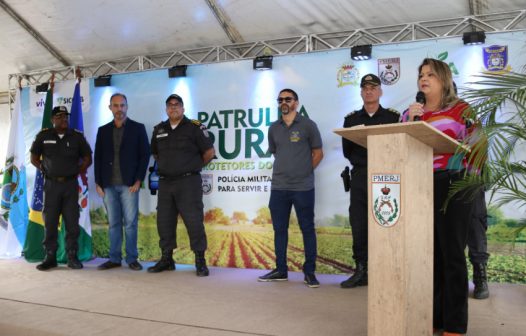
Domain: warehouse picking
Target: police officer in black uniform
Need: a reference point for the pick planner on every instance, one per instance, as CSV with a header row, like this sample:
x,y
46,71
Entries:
x,y
478,245
61,153
372,113
478,241
181,147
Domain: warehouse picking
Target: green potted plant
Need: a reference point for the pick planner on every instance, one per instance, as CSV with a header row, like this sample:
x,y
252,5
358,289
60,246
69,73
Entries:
x,y
498,102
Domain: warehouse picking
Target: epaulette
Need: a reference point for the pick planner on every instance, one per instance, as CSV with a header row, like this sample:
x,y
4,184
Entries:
x,y
44,130
78,131
351,113
201,126
392,110
198,124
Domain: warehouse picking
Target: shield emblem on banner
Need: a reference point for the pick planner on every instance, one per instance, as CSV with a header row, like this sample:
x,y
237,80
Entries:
x,y
207,183
495,57
386,199
348,74
389,70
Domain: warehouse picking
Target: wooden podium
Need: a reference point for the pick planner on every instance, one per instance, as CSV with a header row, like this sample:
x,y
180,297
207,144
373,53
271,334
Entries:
x,y
400,205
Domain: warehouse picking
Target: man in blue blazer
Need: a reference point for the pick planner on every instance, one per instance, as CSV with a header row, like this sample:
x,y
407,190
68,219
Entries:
x,y
122,154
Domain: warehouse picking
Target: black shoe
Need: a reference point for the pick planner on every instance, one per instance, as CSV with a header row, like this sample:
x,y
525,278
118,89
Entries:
x,y
481,291
202,271
50,261
200,264
274,275
107,265
480,280
75,264
136,266
359,278
311,281
73,260
165,264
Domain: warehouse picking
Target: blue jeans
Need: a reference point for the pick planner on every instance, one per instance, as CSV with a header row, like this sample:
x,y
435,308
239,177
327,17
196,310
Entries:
x,y
280,204
122,207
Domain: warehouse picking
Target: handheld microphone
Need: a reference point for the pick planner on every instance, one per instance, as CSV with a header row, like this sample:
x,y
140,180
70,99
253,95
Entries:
x,y
420,98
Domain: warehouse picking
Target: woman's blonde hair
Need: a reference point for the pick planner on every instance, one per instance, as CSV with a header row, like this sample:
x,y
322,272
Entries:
x,y
441,69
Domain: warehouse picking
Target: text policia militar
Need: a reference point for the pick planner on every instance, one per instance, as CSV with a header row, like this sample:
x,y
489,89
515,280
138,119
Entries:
x,y
231,183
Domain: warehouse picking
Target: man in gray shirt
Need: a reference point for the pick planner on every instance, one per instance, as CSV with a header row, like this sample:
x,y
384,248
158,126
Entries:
x,y
296,144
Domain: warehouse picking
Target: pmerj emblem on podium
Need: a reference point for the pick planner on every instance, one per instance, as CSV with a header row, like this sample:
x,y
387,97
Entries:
x,y
386,198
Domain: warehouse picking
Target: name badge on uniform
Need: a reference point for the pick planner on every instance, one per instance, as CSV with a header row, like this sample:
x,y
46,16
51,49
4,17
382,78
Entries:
x,y
50,141
162,135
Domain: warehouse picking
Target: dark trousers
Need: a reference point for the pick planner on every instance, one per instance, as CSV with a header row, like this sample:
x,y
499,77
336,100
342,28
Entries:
x,y
477,239
61,198
183,196
358,215
450,283
280,204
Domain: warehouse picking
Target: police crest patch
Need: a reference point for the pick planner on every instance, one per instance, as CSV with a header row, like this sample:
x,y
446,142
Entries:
x,y
386,199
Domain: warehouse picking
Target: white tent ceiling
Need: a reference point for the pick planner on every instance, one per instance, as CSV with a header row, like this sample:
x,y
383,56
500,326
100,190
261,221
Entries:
x,y
77,32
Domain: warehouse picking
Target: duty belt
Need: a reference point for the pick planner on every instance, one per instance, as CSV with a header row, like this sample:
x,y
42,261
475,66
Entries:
x,y
177,177
61,178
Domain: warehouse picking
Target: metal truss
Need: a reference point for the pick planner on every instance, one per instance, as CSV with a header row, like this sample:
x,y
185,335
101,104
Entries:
x,y
436,29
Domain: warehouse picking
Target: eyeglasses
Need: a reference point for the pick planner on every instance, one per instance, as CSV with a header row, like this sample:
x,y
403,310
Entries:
x,y
174,105
286,99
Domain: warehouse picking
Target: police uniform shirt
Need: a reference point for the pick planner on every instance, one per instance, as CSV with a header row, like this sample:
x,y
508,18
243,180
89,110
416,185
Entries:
x,y
60,156
179,150
355,153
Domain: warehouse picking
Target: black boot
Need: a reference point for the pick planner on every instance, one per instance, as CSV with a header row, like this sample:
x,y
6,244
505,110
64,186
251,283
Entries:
x,y
50,261
200,264
73,260
480,279
359,278
166,263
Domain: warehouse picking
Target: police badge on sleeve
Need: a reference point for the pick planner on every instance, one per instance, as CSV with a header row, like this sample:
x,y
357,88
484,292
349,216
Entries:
x,y
386,198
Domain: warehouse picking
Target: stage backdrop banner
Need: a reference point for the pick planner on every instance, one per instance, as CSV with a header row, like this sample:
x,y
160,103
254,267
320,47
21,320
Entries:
x,y
238,104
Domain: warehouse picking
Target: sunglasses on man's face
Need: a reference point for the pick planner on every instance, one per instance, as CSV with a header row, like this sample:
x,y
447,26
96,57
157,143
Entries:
x,y
286,100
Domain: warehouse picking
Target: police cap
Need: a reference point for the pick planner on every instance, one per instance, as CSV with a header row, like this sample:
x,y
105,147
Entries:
x,y
370,79
59,110
175,96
